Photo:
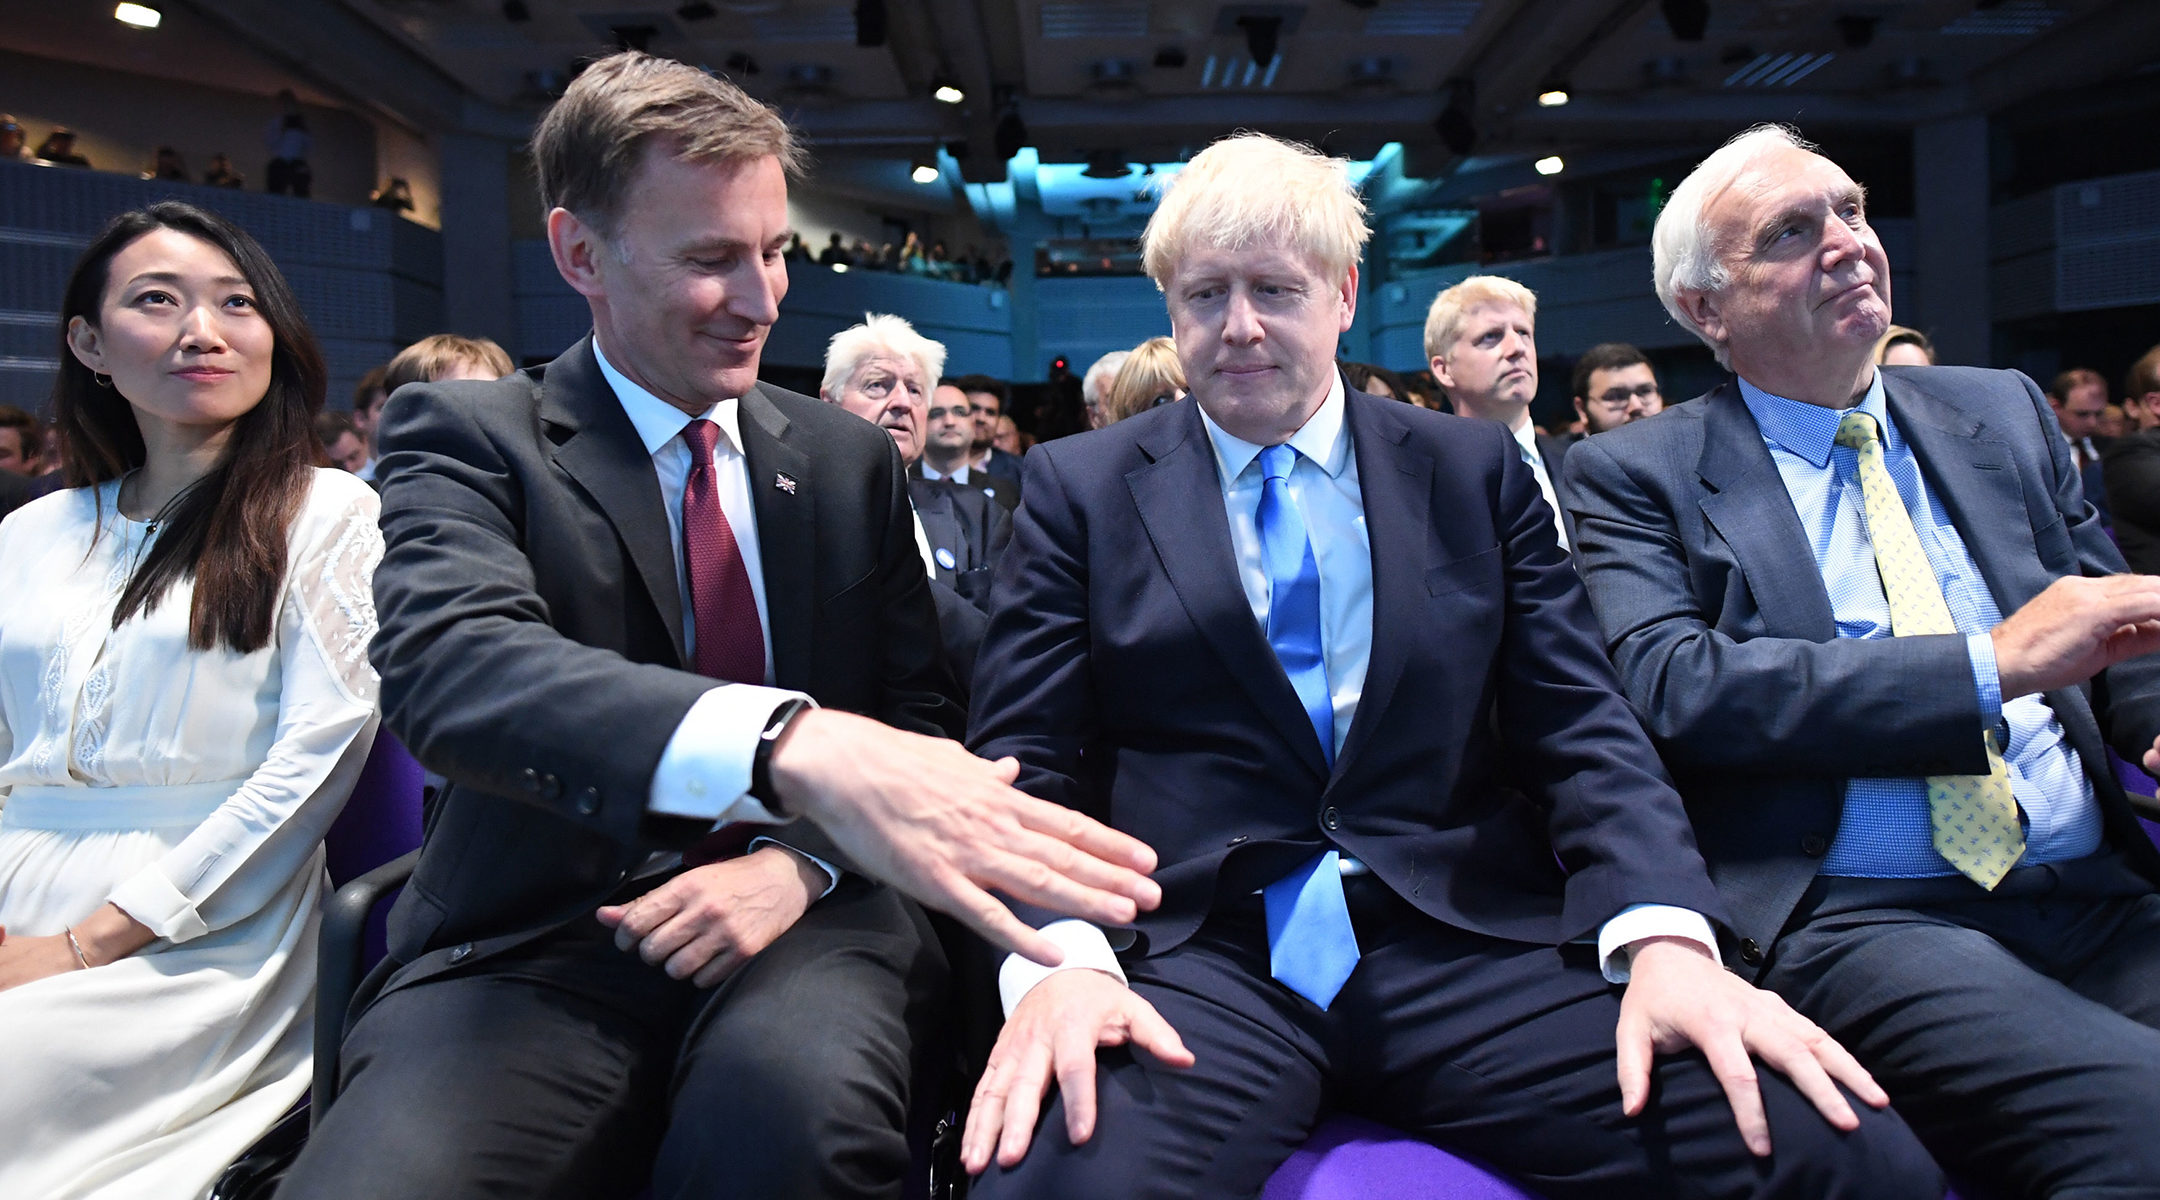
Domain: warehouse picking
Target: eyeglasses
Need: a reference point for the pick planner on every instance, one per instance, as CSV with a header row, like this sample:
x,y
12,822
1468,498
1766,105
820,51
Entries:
x,y
1618,396
958,410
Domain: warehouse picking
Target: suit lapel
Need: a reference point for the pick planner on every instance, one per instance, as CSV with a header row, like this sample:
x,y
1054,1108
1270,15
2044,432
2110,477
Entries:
x,y
1396,485
941,524
1977,479
598,447
1748,505
1178,495
783,490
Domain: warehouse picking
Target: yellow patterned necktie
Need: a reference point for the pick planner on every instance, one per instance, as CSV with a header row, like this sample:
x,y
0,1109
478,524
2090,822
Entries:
x,y
1975,817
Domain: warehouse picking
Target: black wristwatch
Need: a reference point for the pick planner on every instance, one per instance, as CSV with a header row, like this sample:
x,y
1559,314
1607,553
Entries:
x,y
761,784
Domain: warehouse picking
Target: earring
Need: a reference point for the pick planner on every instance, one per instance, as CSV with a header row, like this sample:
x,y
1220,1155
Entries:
x,y
103,381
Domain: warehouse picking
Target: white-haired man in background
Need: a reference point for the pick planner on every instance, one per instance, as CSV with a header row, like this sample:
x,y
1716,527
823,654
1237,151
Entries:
x,y
1323,652
1095,386
884,372
1879,635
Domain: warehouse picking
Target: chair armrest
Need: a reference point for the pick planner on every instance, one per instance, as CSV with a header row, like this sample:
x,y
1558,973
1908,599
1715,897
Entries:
x,y
339,967
2147,807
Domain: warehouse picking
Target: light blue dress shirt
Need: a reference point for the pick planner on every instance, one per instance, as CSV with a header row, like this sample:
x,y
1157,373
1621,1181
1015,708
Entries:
x,y
1885,832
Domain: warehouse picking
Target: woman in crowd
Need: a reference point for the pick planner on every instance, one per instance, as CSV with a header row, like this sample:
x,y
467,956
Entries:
x,y
1150,377
1904,347
185,702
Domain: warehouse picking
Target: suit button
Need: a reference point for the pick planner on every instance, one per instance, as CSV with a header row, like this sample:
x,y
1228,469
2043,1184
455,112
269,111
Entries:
x,y
550,787
588,802
1331,819
462,953
529,779
1750,952
1240,840
1813,845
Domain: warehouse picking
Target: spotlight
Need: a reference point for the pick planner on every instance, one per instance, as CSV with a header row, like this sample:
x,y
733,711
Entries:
x,y
516,10
1261,35
869,22
946,91
1686,18
141,16
1550,165
924,173
839,268
1552,97
1456,124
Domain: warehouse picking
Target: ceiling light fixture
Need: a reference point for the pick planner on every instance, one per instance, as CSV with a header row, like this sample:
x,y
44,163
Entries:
x,y
924,173
945,91
1550,165
141,16
1552,97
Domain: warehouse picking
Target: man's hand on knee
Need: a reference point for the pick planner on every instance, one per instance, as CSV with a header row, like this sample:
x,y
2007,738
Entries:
x,y
942,825
1677,996
709,920
1056,1029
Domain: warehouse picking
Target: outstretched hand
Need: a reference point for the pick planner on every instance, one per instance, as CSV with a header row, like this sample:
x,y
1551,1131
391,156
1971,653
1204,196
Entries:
x,y
942,825
1056,1029
1678,996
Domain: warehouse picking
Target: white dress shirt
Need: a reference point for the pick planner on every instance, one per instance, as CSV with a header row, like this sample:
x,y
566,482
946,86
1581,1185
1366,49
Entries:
x,y
959,474
705,770
1324,483
1526,440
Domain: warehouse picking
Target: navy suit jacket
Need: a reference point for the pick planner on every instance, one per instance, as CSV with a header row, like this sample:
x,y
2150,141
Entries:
x,y
1493,776
1721,628
973,530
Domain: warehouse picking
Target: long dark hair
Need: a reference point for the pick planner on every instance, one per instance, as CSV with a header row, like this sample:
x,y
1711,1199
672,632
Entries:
x,y
227,530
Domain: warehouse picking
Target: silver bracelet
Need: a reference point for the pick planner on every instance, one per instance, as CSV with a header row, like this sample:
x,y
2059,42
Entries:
x,y
77,948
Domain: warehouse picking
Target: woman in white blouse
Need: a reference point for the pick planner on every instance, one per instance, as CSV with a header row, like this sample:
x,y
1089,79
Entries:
x,y
185,702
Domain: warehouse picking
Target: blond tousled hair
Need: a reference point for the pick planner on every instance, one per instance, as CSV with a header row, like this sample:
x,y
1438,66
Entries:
x,y
1149,371
1249,188
1444,320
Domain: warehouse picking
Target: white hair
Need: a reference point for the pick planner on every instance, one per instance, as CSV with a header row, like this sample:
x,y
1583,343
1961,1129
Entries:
x,y
879,333
1683,249
1095,385
1249,188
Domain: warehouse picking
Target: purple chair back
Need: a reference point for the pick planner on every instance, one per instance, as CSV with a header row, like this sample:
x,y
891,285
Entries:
x,y
380,822
2137,783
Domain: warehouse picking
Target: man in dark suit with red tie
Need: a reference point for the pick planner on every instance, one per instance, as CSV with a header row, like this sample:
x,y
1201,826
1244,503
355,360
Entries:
x,y
1324,652
615,586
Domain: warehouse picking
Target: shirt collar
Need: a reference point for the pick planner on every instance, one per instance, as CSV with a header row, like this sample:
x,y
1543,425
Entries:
x,y
657,422
1320,439
1810,430
1526,437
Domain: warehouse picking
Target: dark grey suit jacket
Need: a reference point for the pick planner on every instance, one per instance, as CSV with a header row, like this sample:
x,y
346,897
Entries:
x,y
532,631
970,530
1717,618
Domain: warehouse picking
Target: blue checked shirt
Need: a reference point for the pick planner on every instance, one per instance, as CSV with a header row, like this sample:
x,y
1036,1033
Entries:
x,y
1885,831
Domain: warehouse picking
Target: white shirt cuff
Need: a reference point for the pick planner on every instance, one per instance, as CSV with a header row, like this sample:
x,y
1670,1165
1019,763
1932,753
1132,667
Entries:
x,y
1639,921
832,873
705,770
1084,946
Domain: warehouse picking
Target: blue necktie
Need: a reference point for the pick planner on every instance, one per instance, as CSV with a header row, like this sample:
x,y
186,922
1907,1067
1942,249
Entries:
x,y
1312,947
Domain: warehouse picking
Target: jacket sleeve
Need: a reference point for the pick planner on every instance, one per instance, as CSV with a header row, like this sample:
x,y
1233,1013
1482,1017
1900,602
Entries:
x,y
1770,706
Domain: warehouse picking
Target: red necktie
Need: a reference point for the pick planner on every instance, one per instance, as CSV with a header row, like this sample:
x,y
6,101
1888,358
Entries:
x,y
730,641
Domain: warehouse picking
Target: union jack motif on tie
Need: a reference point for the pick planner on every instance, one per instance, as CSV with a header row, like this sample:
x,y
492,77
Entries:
x,y
1975,818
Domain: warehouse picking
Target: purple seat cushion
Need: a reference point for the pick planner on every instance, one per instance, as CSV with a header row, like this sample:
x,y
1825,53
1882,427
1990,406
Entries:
x,y
1350,1159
